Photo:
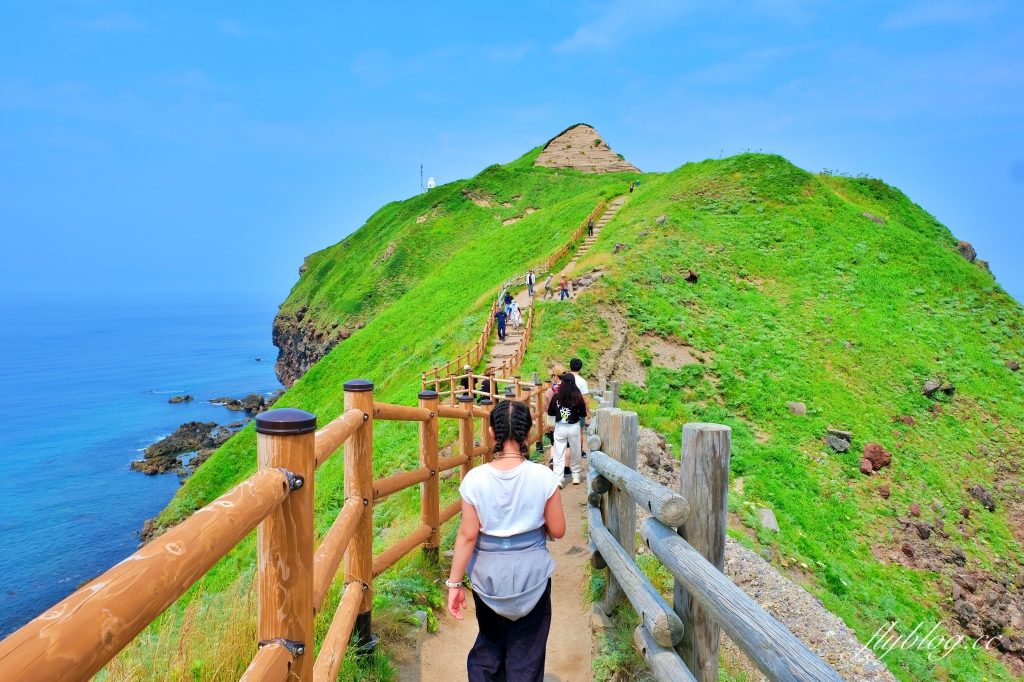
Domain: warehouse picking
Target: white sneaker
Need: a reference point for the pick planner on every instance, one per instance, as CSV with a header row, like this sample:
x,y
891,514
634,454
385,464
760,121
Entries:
x,y
575,479
561,483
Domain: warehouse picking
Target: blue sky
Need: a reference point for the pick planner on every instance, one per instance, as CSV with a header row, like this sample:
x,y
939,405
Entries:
x,y
201,149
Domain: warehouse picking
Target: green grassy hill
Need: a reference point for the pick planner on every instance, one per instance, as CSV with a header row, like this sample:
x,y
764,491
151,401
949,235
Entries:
x,y
800,298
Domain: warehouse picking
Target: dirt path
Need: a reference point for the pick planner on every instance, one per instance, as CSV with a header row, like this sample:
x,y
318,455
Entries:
x,y
442,656
502,350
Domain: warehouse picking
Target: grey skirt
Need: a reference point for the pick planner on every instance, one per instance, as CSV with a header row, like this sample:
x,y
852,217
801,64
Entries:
x,y
511,574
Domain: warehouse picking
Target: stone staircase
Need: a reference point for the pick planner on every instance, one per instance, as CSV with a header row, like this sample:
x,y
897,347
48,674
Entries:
x,y
589,241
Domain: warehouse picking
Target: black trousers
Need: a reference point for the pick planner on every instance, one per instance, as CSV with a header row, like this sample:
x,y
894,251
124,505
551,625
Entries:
x,y
510,650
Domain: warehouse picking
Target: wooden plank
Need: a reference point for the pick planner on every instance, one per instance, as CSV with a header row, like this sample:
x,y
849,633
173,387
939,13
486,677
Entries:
x,y
400,413
330,438
773,648
656,614
332,652
392,554
359,483
332,550
451,462
596,483
664,662
450,511
392,484
704,482
72,640
668,507
620,510
272,663
284,544
430,496
449,412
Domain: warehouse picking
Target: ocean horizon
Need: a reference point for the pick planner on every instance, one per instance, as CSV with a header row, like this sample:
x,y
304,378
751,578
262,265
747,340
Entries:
x,y
86,390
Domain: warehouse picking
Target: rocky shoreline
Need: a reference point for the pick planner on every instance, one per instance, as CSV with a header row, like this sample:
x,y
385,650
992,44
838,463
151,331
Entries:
x,y
200,439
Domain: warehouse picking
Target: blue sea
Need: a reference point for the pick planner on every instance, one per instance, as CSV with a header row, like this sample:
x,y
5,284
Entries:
x,y
83,389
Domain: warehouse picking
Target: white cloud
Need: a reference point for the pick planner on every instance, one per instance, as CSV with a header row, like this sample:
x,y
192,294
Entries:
x,y
115,22
945,12
622,20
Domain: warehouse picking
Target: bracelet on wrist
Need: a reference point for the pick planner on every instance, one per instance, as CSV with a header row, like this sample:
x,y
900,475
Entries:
x,y
452,585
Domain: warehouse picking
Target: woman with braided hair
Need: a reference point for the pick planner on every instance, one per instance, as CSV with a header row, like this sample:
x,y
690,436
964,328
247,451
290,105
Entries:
x,y
508,506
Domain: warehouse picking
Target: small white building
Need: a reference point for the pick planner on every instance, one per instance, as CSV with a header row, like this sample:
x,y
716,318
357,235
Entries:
x,y
430,183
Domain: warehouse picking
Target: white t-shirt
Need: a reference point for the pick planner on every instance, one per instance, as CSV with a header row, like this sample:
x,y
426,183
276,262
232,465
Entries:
x,y
581,384
509,502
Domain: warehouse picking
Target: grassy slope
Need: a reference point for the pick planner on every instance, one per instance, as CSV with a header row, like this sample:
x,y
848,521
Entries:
x,y
780,251
426,305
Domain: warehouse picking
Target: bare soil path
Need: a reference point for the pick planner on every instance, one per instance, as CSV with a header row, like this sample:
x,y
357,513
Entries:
x,y
442,656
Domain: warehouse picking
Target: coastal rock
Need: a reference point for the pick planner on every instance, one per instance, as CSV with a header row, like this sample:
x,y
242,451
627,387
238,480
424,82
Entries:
x,y
797,409
254,403
181,399
164,455
768,519
930,387
865,466
301,345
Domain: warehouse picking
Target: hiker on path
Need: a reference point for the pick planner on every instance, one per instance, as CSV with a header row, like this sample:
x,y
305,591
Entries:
x,y
548,291
568,407
530,281
631,188
590,227
515,314
464,381
508,298
556,378
508,506
485,385
500,316
575,366
564,284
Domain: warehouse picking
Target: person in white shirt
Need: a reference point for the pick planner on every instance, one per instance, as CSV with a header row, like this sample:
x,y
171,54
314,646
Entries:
x,y
575,366
509,505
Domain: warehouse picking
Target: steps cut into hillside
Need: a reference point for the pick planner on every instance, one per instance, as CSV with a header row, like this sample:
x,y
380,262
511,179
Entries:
x,y
582,148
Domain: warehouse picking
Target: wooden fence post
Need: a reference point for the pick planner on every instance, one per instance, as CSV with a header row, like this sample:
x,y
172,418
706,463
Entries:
x,y
286,439
485,432
466,435
615,394
359,483
430,496
619,432
704,482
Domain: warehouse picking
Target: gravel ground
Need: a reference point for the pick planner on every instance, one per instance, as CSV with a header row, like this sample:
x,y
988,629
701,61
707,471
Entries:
x,y
803,614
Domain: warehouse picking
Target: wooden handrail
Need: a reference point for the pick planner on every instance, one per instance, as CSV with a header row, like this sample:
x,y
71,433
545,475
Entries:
x,y
402,413
668,507
332,652
664,662
392,554
332,550
330,438
450,511
392,484
451,412
773,648
451,462
656,614
272,663
74,639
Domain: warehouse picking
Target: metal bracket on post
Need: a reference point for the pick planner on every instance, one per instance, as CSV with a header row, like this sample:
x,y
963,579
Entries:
x,y
296,649
295,481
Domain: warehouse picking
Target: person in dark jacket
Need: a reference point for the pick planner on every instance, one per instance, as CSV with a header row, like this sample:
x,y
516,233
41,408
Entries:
x,y
501,316
590,227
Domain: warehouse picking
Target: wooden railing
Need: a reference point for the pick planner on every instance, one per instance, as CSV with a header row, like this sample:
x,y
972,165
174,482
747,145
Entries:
x,y
76,638
680,642
475,354
565,248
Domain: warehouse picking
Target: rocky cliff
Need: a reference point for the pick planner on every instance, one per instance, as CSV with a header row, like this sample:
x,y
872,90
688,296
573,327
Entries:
x,y
301,343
